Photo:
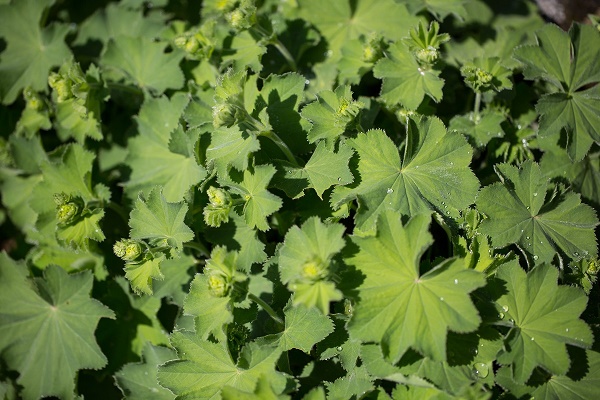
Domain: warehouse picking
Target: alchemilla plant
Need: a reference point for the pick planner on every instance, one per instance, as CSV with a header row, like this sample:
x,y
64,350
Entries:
x,y
298,199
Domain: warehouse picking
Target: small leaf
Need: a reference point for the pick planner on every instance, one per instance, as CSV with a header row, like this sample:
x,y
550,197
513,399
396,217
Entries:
x,y
153,218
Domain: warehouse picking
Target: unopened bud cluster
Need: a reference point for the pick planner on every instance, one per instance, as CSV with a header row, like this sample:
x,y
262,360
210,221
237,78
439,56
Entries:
x,y
217,210
243,16
477,78
128,249
68,208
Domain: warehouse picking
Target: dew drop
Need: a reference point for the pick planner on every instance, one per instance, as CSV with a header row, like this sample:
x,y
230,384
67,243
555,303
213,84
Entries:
x,y
416,166
447,212
505,308
145,373
535,194
527,237
576,254
501,315
474,351
443,203
441,299
481,370
456,281
339,348
390,190
535,257
528,207
567,330
307,82
339,179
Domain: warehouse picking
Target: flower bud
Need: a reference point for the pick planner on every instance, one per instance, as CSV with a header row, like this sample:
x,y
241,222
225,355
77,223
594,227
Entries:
x,y
313,270
428,55
67,213
128,249
223,115
218,285
218,197
61,86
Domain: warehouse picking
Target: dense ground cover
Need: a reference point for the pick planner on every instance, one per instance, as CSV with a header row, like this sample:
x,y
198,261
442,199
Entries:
x,y
297,199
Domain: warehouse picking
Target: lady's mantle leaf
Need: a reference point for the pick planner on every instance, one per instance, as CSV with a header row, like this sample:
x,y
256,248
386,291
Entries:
x,y
137,381
144,62
204,368
569,62
260,203
546,317
47,332
154,218
400,308
518,213
404,80
30,51
434,173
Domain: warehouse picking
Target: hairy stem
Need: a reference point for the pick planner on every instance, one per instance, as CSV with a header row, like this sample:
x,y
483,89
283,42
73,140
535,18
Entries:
x,y
282,146
267,308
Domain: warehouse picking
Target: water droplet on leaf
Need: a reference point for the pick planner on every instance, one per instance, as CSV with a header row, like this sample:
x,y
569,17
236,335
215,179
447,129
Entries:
x,y
481,370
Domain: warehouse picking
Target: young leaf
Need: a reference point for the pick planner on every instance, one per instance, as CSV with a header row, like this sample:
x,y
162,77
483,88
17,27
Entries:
x,y
141,274
304,327
440,9
153,218
144,62
404,80
30,49
402,308
518,212
260,203
546,318
138,381
354,384
479,128
567,62
204,368
433,174
331,113
36,325
229,146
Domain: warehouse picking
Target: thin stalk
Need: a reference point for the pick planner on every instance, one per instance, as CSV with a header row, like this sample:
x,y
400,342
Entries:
x,y
282,146
286,54
120,211
477,105
267,308
199,247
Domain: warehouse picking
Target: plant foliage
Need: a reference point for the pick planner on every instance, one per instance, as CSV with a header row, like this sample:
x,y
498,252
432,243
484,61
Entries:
x,y
308,199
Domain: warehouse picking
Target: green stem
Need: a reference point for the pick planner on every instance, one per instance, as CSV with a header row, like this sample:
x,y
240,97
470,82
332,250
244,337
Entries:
x,y
267,308
282,146
477,105
286,54
199,247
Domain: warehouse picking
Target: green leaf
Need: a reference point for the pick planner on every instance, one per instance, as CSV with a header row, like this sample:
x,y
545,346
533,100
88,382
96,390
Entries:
x,y
546,318
260,203
304,327
402,308
355,383
204,368
117,20
433,174
85,229
566,61
38,322
244,51
341,21
440,9
162,153
144,62
31,51
519,212
405,82
156,219
329,114
177,276
313,242
210,313
481,128
231,147
141,274
138,381
559,386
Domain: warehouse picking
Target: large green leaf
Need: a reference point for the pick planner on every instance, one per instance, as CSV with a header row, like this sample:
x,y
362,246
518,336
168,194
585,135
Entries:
x,y
568,62
31,50
519,212
439,8
405,82
401,308
343,20
47,328
162,154
204,368
434,173
144,62
546,318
